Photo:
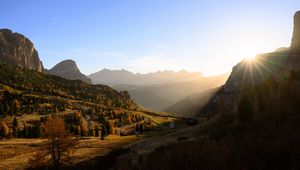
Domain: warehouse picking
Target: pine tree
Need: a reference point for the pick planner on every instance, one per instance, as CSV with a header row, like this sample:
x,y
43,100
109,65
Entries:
x,y
141,128
96,131
15,127
103,132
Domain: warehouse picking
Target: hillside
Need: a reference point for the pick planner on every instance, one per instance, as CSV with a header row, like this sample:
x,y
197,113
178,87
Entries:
x,y
192,104
31,82
68,69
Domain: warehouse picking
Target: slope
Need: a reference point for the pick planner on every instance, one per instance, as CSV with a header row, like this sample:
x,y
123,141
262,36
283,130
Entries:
x,y
192,104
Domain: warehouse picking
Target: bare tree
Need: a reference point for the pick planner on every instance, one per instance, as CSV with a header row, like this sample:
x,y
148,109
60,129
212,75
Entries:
x,y
59,144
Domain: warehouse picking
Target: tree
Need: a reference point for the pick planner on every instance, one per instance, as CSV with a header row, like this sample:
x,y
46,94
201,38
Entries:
x,y
137,128
96,131
15,127
4,130
17,105
83,128
141,128
103,132
59,144
245,111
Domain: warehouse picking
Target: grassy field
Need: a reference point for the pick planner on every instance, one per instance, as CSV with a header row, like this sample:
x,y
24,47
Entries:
x,y
15,153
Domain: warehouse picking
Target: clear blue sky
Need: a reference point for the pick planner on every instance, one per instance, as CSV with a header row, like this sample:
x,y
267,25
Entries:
x,y
149,35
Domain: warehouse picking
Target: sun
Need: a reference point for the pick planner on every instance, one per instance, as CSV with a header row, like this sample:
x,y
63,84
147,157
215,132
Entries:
x,y
250,58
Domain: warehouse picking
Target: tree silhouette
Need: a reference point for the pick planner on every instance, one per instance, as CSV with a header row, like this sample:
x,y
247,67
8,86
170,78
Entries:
x,y
59,144
15,127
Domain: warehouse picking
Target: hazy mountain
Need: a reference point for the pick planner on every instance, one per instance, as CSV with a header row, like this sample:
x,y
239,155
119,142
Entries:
x,y
68,69
115,77
18,50
162,96
192,104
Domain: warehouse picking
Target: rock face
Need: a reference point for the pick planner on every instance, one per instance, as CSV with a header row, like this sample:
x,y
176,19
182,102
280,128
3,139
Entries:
x,y
18,50
68,69
266,67
295,45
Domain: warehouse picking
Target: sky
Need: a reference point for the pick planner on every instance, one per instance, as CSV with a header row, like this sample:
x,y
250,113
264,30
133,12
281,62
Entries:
x,y
206,36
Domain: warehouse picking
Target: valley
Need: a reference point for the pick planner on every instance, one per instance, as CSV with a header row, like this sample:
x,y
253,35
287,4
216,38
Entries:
x,y
55,116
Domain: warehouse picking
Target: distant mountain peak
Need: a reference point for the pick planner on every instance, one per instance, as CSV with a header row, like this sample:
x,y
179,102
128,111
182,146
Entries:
x,y
68,69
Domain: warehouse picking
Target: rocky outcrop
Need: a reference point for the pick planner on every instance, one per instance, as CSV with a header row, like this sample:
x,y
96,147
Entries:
x,y
68,69
295,45
266,67
18,50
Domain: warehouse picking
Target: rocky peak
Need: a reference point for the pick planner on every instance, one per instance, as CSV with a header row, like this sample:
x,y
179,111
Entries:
x,y
18,50
266,67
295,45
68,69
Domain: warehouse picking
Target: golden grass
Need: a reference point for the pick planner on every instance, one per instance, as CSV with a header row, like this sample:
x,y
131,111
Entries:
x,y
15,153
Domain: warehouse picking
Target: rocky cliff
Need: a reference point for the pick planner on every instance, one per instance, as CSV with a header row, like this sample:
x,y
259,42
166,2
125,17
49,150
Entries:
x,y
272,66
18,50
295,45
68,69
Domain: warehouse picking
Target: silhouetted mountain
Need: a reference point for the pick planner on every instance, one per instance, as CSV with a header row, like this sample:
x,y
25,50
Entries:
x,y
162,96
115,77
18,50
68,69
274,66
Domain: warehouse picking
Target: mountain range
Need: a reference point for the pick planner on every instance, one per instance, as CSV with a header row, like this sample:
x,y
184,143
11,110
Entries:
x,y
162,96
117,77
158,90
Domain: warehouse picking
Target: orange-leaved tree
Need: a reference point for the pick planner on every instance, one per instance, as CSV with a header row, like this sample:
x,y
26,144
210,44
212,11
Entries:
x,y
59,144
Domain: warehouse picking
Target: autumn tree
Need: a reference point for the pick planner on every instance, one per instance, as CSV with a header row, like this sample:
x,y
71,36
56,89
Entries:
x,y
59,144
83,128
4,130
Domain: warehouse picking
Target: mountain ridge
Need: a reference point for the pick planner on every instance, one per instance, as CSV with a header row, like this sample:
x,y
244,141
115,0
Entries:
x,y
122,76
274,66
